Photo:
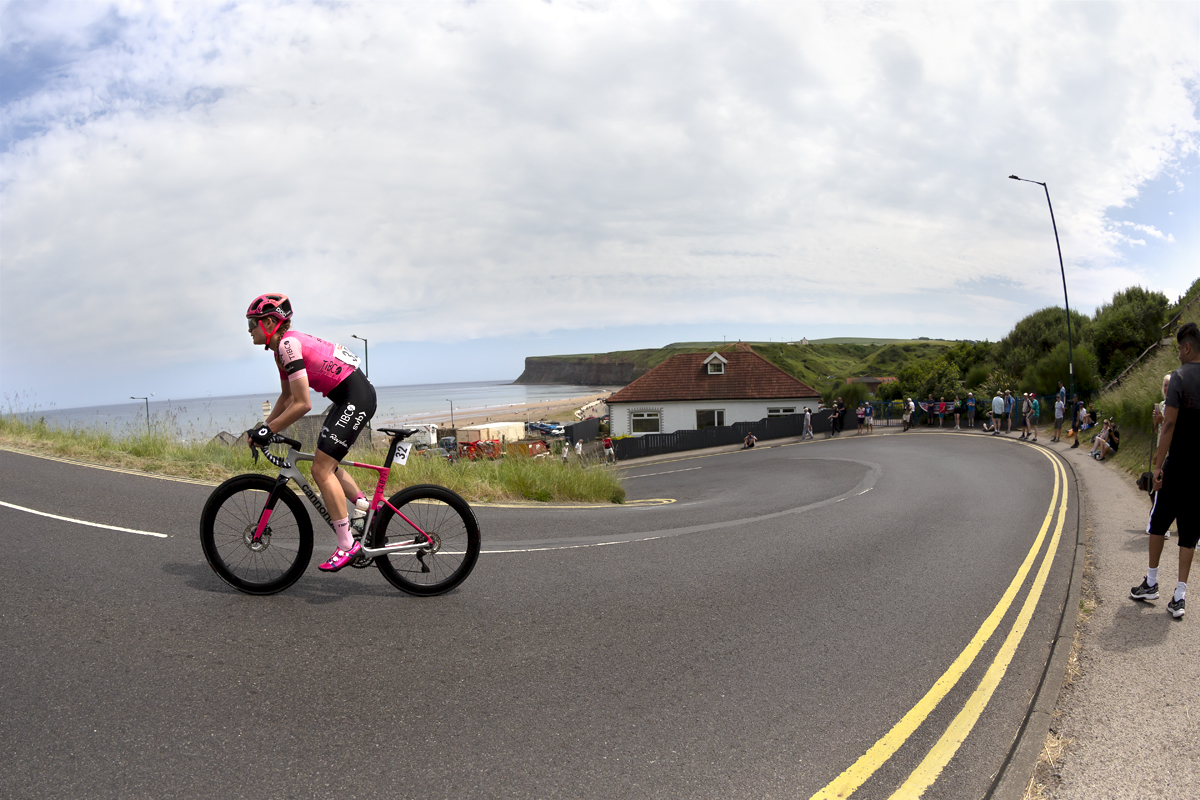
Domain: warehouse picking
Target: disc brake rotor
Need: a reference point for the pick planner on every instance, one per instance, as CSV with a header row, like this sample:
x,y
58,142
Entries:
x,y
263,542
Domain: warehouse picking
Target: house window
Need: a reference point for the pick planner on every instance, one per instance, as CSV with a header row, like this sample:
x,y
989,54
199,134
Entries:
x,y
710,418
716,367
780,412
644,422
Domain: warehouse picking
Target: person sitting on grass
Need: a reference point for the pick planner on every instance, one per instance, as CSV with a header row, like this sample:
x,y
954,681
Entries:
x,y
1107,441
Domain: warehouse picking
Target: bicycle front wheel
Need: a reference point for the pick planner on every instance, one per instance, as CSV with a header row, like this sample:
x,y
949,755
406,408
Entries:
x,y
448,520
227,526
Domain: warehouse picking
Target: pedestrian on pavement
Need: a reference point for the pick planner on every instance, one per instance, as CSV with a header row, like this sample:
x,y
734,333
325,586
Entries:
x,y
1026,407
1177,472
997,413
1060,410
839,413
957,411
609,450
807,424
1008,410
970,409
930,410
941,411
861,413
1076,420
870,418
579,450
1035,411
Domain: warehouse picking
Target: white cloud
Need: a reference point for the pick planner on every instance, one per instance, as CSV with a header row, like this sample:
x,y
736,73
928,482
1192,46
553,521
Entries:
x,y
445,171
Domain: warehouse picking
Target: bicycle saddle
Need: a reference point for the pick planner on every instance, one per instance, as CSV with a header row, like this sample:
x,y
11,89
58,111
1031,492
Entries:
x,y
399,433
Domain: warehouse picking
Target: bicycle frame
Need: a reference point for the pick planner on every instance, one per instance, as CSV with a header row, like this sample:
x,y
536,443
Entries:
x,y
289,472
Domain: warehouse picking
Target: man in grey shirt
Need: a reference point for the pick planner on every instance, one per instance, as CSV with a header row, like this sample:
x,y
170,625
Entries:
x,y
1177,472
997,413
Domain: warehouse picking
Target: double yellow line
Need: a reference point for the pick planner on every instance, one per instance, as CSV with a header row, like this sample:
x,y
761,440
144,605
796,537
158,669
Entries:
x,y
940,754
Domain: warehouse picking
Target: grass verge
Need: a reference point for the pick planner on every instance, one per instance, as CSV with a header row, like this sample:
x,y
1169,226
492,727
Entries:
x,y
508,479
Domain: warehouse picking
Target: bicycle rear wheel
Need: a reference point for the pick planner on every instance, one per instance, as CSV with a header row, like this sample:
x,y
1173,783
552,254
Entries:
x,y
227,528
448,520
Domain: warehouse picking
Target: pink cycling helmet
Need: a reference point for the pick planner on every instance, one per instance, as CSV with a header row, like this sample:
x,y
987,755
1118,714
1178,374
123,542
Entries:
x,y
270,305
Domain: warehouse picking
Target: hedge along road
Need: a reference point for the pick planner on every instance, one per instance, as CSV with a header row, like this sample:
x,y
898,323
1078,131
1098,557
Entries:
x,y
863,617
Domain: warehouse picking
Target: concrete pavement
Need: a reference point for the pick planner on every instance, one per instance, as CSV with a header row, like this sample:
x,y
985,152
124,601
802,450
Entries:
x,y
1130,718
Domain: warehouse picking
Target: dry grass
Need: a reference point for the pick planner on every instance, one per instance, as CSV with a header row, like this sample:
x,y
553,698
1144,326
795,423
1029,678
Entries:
x,y
511,478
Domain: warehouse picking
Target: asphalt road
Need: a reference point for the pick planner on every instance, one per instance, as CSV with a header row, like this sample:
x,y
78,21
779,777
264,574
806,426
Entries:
x,y
754,638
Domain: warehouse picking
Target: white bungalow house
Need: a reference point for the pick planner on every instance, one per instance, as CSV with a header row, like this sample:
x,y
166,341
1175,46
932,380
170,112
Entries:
x,y
694,390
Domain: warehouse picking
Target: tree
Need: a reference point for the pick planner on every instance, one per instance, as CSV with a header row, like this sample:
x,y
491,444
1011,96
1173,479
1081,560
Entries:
x,y
1125,327
942,380
1035,336
1043,377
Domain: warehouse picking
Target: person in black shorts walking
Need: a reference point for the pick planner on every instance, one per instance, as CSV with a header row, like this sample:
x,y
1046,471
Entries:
x,y
1177,473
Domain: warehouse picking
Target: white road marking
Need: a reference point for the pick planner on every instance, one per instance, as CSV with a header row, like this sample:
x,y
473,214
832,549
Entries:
x,y
82,522
668,472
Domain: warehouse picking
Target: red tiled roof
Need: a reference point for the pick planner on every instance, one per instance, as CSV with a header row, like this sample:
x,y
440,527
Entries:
x,y
748,376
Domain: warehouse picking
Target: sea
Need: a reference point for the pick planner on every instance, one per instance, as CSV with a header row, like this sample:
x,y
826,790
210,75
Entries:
x,y
204,417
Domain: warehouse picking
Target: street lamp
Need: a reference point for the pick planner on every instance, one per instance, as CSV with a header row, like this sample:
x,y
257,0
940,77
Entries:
x,y
366,356
147,399
452,425
1066,303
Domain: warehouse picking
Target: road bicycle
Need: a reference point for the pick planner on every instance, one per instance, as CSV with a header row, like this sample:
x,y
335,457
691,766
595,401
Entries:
x,y
258,537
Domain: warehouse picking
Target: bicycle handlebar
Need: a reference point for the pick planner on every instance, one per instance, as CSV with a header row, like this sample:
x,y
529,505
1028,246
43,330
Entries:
x,y
277,438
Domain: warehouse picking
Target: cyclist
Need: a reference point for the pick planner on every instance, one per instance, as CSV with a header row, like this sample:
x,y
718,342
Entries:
x,y
305,361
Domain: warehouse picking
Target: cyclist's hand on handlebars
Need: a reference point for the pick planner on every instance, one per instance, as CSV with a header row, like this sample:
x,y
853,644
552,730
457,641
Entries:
x,y
260,436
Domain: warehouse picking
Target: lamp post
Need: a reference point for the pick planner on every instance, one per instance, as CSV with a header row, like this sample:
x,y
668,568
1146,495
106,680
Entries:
x,y
147,399
1063,271
452,425
366,356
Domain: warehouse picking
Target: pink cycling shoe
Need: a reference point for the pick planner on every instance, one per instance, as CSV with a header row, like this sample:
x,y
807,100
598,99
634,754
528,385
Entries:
x,y
341,558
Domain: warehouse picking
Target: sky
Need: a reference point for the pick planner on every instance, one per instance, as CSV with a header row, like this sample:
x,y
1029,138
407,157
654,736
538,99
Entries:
x,y
468,184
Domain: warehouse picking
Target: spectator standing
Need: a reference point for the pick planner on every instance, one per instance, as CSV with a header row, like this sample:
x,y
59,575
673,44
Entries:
x,y
1008,410
1035,413
1076,420
941,411
870,418
957,411
579,450
1176,472
970,409
930,410
839,412
609,450
807,424
1025,407
1062,393
566,450
1157,418
1060,409
861,413
997,413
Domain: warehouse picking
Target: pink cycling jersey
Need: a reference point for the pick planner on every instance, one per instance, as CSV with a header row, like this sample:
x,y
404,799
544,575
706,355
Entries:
x,y
324,364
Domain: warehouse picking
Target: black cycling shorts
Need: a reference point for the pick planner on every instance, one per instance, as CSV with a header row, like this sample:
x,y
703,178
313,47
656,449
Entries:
x,y
353,406
1176,502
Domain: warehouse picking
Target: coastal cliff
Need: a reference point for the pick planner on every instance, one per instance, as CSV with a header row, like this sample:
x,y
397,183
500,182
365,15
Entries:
x,y
580,371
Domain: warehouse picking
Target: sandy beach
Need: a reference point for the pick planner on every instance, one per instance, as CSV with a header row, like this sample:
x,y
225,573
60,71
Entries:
x,y
562,411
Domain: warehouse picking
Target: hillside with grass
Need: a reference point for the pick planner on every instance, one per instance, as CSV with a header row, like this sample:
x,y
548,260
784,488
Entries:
x,y
821,364
1131,403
